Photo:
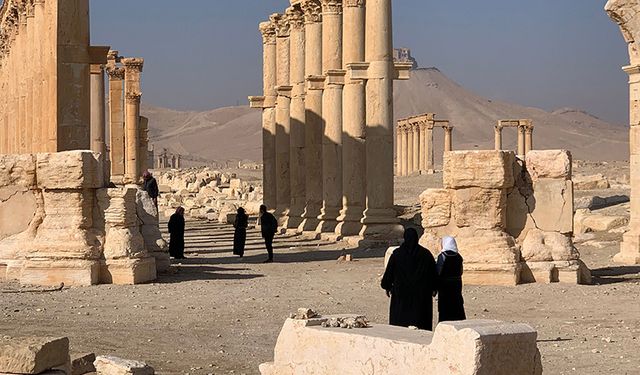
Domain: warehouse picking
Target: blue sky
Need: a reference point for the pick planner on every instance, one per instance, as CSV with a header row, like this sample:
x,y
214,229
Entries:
x,y
203,54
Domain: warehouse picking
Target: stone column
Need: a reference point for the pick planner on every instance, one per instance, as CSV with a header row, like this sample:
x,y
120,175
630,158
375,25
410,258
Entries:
x,y
116,118
521,142
297,139
416,147
380,218
424,148
39,99
268,31
332,114
22,46
313,114
143,145
133,70
498,137
98,118
179,161
399,150
405,149
430,151
31,144
528,139
283,118
354,124
410,150
448,139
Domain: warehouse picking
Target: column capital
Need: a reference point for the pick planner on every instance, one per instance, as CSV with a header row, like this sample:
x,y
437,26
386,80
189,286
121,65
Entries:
x,y
97,69
30,9
331,6
295,15
268,31
133,64
115,73
281,23
312,11
133,97
353,3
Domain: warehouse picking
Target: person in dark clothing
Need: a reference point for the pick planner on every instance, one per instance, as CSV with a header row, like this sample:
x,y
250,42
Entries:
x,y
268,227
410,281
176,230
449,267
240,234
150,185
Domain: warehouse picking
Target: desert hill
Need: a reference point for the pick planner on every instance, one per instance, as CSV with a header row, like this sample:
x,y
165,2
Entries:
x,y
234,133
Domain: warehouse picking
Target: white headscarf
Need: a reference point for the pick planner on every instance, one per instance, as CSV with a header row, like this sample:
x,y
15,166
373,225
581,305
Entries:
x,y
449,244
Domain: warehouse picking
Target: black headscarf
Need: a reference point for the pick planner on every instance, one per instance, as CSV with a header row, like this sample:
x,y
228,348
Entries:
x,y
410,244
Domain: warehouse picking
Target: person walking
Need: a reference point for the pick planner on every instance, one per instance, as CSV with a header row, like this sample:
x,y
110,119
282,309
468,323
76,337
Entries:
x,y
410,281
240,234
268,228
150,185
176,230
449,267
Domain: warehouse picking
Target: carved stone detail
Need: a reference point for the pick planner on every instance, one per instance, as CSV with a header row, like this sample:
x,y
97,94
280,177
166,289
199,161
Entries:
x,y
268,31
312,11
332,6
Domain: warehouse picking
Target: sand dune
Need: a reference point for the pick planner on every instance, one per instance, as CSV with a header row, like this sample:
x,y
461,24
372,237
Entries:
x,y
234,133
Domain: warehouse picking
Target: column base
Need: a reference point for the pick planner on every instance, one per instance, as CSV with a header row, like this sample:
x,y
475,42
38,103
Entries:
x,y
328,220
308,225
629,250
71,272
128,271
350,221
381,235
294,219
282,216
163,262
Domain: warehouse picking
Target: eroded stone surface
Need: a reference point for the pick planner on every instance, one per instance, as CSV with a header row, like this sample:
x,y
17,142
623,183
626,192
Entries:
x,y
109,365
483,169
32,355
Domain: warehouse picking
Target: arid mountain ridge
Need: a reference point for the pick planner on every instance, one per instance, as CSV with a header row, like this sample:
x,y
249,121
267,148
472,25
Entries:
x,y
234,133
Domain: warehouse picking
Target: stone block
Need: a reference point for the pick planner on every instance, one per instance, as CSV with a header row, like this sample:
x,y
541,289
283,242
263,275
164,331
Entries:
x,y
82,363
480,208
70,170
593,182
483,169
540,246
436,207
539,272
108,365
551,206
492,274
32,355
17,210
585,221
128,271
17,171
53,272
555,164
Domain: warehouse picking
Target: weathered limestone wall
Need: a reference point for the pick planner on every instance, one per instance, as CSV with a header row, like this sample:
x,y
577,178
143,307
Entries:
x,y
513,220
474,347
60,224
44,76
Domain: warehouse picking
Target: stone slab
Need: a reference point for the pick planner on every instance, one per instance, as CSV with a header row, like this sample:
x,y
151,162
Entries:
x,y
70,170
32,355
82,363
483,169
436,207
128,271
554,164
480,208
109,365
71,272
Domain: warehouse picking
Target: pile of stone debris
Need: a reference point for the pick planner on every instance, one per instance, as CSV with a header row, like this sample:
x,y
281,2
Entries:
x,y
207,194
50,356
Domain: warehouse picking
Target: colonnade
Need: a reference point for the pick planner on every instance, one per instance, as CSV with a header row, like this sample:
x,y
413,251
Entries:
x,y
525,134
414,143
328,117
166,160
128,131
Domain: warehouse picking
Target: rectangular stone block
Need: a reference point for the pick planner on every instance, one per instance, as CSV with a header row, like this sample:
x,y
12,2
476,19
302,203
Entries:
x,y
49,272
436,207
492,274
128,271
480,208
551,206
70,170
17,171
108,365
483,169
549,164
32,355
82,363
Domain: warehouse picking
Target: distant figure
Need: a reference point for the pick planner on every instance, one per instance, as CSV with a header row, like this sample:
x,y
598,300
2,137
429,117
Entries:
x,y
449,266
240,234
268,227
176,229
150,185
410,281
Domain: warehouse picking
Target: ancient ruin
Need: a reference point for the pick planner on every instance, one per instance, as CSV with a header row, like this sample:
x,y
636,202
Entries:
x,y
168,160
525,134
322,192
414,143
626,13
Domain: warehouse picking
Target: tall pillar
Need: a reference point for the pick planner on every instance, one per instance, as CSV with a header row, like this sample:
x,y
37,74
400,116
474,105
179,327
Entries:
x,y
179,161
39,99
498,137
380,218
528,139
22,47
430,151
410,150
283,118
297,139
31,144
313,114
416,147
448,139
354,152
116,118
332,114
268,31
133,94
521,142
143,145
422,128
405,149
98,118
399,149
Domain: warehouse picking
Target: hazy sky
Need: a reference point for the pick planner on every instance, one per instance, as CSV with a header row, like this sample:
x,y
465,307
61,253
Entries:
x,y
203,54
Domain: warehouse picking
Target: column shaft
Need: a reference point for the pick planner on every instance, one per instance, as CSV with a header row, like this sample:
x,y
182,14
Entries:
x,y
98,118
405,151
332,114
423,148
354,152
498,138
448,139
133,69
116,123
521,141
297,139
399,150
411,144
528,140
39,99
380,218
430,151
22,45
31,144
416,148
268,31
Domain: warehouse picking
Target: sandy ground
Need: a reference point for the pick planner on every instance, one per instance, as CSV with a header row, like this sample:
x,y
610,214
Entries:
x,y
215,314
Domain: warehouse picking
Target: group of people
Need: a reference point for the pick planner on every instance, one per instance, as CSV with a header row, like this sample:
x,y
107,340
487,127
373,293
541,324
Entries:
x,y
413,278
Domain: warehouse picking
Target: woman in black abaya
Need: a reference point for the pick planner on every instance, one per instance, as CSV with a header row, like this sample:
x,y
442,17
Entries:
x,y
240,234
